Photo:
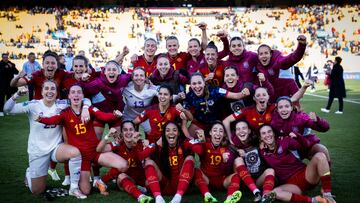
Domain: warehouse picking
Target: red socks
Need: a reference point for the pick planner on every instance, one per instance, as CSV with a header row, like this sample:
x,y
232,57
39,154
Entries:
x,y
246,177
186,174
53,164
200,182
111,174
152,180
130,187
66,168
300,198
268,184
326,182
234,184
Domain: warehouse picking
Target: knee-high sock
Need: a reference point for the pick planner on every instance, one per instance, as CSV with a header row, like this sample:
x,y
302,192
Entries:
x,y
186,175
246,177
96,170
152,180
200,182
74,168
234,184
268,184
111,174
66,168
300,198
53,164
130,187
326,182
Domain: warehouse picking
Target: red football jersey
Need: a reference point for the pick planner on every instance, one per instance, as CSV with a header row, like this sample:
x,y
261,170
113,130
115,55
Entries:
x,y
218,79
157,120
253,117
38,79
179,61
81,135
149,67
210,158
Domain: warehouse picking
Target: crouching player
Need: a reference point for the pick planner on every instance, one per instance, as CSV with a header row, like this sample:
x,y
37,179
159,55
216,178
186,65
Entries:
x,y
129,147
212,169
295,176
249,164
82,135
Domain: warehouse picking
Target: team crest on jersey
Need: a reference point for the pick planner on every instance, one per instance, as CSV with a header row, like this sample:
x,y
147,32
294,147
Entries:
x,y
71,121
95,109
109,92
295,129
222,150
271,71
208,151
246,65
280,150
179,59
268,117
211,102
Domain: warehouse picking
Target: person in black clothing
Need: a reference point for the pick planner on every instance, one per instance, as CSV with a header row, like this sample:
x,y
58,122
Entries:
x,y
337,87
298,74
7,72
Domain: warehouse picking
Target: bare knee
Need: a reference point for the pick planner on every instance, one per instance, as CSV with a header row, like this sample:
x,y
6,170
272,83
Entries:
x,y
38,190
238,162
73,152
319,157
190,158
269,171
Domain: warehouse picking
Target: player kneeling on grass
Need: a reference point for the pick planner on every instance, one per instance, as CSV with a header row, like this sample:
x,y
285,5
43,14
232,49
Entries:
x,y
249,164
174,168
213,158
82,135
131,148
295,176
45,140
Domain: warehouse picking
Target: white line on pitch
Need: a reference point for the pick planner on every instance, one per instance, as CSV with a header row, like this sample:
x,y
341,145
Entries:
x,y
325,97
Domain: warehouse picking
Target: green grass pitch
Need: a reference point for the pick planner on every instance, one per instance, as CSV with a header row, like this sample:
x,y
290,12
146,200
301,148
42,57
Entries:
x,y
343,141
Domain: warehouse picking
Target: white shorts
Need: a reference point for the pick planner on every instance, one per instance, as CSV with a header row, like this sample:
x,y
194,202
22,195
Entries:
x,y
39,165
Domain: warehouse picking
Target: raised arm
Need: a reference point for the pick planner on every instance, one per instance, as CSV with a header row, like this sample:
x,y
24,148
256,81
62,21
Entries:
x,y
223,37
238,95
316,123
204,38
19,80
11,106
300,93
286,62
227,121
103,145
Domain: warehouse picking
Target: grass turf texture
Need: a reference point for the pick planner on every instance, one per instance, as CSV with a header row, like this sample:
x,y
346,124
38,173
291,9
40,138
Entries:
x,y
342,141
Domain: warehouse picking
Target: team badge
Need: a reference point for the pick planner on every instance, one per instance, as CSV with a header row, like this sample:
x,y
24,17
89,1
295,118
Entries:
x,y
271,71
246,65
295,129
280,150
211,102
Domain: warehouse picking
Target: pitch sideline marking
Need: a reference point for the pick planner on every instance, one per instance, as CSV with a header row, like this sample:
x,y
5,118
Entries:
x,y
320,96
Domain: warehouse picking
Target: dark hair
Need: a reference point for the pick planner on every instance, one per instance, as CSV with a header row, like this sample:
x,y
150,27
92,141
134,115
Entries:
x,y
236,38
224,139
196,40
263,125
283,98
253,138
81,57
164,158
131,122
76,84
69,47
31,53
212,45
231,67
4,54
265,45
46,81
165,86
138,68
162,55
338,59
52,54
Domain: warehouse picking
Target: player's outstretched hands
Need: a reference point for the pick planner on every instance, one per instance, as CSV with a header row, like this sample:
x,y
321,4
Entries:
x,y
245,92
134,58
85,114
301,39
241,152
225,156
261,77
200,134
117,113
307,83
313,116
85,76
202,25
222,34
125,51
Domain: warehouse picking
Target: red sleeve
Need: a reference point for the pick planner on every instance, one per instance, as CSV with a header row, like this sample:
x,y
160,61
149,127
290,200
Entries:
x,y
53,120
143,116
102,116
222,54
145,153
196,148
269,87
321,125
